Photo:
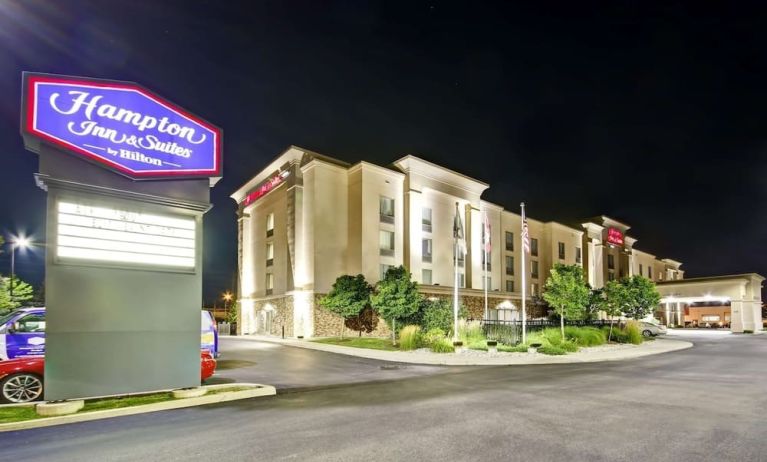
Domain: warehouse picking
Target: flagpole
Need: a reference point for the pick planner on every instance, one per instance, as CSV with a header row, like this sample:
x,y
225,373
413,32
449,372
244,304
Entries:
x,y
455,284
524,282
485,240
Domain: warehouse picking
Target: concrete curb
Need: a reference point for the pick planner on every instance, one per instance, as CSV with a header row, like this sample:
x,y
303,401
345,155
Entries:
x,y
254,390
620,353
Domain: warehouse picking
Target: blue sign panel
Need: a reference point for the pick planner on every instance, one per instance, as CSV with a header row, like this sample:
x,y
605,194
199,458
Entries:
x,y
119,125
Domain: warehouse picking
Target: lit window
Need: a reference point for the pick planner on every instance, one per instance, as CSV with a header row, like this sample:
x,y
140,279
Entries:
x,y
578,255
426,276
269,283
270,225
386,209
426,250
426,219
269,253
561,250
509,265
386,242
534,269
534,247
509,285
509,241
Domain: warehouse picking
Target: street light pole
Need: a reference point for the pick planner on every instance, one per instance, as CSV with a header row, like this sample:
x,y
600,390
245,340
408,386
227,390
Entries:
x,y
16,242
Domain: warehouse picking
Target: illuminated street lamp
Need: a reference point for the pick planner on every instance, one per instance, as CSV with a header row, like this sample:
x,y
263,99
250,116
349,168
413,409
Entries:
x,y
16,243
227,298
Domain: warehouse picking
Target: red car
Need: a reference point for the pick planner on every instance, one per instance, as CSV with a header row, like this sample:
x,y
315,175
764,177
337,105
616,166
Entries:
x,y
21,379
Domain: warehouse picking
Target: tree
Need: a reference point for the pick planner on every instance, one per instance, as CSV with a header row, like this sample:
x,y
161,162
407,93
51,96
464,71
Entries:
x,y
21,293
396,297
566,291
348,297
594,304
615,299
438,314
642,297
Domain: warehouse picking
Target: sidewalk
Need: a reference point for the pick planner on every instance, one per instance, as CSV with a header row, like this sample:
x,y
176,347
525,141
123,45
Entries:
x,y
481,358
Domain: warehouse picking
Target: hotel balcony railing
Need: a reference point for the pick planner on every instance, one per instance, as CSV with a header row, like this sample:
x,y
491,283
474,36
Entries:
x,y
387,219
386,252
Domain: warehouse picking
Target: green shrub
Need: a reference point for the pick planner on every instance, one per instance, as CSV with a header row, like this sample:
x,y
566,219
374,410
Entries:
x,y
634,332
478,345
409,337
432,336
585,336
552,350
521,348
748,331
569,346
438,314
443,345
470,332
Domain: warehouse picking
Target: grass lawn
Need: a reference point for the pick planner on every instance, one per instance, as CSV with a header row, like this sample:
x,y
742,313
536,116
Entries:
x,y
361,342
20,413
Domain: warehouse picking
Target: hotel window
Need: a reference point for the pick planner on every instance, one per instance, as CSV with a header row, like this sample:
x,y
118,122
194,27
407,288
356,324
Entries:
x,y
461,280
426,276
611,275
640,269
489,262
561,250
610,262
534,247
461,257
649,272
382,270
509,241
534,288
578,255
386,243
534,269
386,209
426,250
509,265
426,219
269,283
269,253
270,225
489,281
509,285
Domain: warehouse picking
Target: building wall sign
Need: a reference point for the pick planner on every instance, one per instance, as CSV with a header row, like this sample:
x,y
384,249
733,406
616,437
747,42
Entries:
x,y
119,125
614,236
265,187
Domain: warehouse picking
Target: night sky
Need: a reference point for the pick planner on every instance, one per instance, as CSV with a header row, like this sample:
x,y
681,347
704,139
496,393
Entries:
x,y
653,115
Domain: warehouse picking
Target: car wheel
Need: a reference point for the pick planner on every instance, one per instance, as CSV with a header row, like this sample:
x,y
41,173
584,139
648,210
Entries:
x,y
646,333
21,388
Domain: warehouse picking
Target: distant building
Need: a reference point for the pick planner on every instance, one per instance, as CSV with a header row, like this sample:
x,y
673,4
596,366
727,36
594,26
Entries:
x,y
307,218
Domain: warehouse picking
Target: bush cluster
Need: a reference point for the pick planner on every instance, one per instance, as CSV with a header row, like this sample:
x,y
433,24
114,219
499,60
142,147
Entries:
x,y
410,337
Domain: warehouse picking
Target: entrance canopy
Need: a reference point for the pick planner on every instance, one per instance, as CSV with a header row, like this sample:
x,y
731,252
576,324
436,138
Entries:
x,y
743,292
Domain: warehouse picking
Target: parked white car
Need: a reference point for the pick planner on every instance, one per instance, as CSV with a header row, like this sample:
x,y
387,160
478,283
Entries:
x,y
650,329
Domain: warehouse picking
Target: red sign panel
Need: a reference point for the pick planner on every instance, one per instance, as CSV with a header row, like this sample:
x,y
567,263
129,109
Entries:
x,y
265,187
614,236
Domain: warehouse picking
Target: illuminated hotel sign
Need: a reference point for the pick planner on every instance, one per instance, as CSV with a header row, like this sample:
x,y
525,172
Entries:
x,y
264,189
119,125
614,236
106,235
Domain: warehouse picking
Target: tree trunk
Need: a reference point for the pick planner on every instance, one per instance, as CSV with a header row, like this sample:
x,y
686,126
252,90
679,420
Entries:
x,y
562,323
610,337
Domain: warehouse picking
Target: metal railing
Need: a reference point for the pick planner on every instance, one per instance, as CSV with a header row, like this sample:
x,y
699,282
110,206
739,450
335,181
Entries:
x,y
510,332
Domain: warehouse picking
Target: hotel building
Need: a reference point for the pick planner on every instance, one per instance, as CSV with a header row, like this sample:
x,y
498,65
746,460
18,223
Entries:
x,y
307,218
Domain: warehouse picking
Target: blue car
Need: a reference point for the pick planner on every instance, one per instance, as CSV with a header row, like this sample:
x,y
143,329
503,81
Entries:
x,y
22,333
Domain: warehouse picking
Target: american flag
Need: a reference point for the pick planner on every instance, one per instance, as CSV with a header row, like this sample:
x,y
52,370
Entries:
x,y
486,234
525,236
458,231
